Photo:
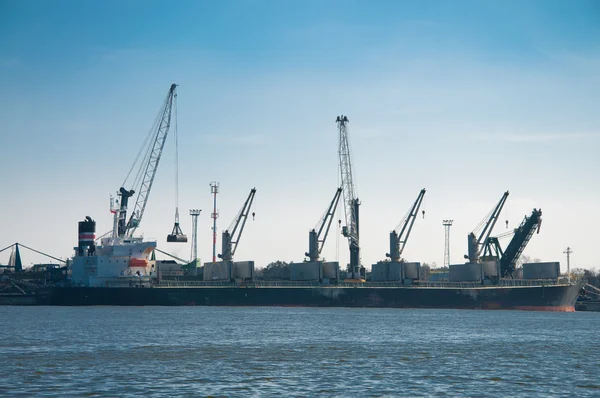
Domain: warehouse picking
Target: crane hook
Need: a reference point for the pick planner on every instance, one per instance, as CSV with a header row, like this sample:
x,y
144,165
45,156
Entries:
x,y
253,214
506,224
423,213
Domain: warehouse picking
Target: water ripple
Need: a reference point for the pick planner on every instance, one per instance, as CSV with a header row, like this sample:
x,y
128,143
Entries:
x,y
210,351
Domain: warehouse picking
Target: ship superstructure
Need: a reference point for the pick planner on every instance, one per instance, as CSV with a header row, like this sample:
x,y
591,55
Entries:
x,y
117,261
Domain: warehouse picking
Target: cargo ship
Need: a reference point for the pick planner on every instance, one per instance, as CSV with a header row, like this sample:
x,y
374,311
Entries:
x,y
536,296
121,271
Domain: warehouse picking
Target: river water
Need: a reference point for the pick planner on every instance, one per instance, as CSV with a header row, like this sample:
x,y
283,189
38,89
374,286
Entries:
x,y
222,351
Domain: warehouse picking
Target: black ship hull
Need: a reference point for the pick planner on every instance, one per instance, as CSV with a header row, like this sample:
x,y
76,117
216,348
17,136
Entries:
x,y
543,298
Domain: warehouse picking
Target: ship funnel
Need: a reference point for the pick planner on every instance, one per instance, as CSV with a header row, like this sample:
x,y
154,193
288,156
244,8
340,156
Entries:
x,y
87,237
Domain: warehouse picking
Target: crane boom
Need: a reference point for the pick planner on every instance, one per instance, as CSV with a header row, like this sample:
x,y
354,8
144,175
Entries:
x,y
474,243
519,241
351,203
399,236
147,177
315,241
229,239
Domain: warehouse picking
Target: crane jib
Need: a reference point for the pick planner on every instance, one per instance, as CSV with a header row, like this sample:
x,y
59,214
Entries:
x,y
149,167
231,236
316,240
399,236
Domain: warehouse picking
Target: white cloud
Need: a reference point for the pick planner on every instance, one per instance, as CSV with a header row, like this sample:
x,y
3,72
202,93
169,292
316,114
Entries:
x,y
514,137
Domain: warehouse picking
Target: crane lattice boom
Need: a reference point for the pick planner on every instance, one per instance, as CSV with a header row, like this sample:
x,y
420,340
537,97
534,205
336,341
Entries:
x,y
150,165
351,203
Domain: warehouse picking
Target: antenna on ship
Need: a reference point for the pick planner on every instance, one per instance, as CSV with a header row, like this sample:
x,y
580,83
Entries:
x,y
114,210
447,224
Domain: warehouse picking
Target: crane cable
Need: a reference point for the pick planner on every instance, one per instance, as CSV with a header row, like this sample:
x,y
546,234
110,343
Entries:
x,y
404,219
146,146
252,209
176,166
477,230
505,234
507,212
145,160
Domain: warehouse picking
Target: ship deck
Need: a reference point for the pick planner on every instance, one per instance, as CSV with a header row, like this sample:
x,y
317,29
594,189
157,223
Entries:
x,y
512,283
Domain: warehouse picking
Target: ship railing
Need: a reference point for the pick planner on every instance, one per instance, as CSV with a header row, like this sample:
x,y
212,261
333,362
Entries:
x,y
125,284
503,283
236,284
417,284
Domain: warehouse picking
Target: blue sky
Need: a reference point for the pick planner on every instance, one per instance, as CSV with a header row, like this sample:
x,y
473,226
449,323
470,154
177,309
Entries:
x,y
466,99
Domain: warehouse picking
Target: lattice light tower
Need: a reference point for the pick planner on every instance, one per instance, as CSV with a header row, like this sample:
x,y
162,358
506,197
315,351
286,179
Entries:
x,y
214,189
194,254
447,224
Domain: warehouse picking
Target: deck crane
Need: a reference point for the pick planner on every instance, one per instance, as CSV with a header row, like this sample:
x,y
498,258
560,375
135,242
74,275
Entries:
x,y
154,145
399,236
521,236
316,240
476,243
351,202
231,236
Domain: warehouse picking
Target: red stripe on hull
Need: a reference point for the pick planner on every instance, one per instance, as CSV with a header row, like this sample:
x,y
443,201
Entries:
x,y
558,308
